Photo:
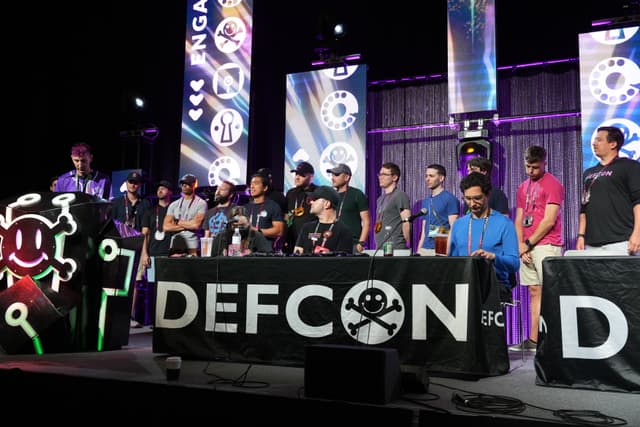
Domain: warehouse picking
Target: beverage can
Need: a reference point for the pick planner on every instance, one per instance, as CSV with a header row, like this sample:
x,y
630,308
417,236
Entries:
x,y
387,249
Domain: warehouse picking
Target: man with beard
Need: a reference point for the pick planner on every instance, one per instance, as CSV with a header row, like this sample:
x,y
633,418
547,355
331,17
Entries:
x,y
297,206
216,218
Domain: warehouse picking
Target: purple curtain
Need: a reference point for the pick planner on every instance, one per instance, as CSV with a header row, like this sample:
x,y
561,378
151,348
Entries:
x,y
395,108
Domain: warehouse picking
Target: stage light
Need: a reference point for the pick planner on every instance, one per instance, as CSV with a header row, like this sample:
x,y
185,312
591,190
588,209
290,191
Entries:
x,y
138,102
338,30
470,148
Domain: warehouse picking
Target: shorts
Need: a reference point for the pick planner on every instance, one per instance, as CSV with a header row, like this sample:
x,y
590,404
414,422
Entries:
x,y
531,274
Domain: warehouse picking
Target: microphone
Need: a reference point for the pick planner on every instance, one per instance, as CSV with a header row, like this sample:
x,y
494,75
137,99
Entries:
x,y
411,217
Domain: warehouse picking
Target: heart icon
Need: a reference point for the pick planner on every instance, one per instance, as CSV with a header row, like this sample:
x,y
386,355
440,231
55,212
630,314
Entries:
x,y
195,114
196,99
196,85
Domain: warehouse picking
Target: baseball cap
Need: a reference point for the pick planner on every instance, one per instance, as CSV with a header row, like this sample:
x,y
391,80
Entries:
x,y
304,169
164,183
266,172
189,179
134,176
340,168
327,193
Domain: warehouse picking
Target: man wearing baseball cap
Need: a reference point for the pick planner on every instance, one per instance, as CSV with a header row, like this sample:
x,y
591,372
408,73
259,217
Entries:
x,y
184,217
298,213
325,234
156,242
353,209
130,208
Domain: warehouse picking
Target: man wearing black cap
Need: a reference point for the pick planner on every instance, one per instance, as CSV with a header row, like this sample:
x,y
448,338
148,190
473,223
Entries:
x,y
297,213
353,209
156,241
130,208
326,234
184,218
273,194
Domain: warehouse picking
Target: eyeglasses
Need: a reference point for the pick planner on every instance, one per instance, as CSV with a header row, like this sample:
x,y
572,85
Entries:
x,y
385,174
474,198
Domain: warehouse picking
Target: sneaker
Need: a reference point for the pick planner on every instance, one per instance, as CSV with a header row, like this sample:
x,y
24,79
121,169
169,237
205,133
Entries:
x,y
526,345
134,324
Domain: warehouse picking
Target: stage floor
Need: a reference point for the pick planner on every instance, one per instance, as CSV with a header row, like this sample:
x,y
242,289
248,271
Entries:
x,y
242,394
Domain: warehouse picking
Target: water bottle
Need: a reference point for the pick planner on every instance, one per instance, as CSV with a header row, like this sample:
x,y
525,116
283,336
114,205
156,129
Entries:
x,y
235,248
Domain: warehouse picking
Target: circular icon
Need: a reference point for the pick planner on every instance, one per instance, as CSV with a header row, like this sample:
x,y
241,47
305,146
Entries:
x,y
229,3
372,312
614,36
338,152
340,72
228,80
224,169
338,109
613,80
230,34
226,127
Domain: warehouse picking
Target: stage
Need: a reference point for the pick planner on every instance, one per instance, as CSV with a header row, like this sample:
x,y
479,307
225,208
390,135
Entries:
x,y
129,384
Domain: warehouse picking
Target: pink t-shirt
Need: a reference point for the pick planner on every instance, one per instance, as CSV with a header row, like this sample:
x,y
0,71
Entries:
x,y
533,197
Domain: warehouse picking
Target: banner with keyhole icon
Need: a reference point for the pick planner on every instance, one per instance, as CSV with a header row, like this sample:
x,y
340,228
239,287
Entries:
x,y
215,111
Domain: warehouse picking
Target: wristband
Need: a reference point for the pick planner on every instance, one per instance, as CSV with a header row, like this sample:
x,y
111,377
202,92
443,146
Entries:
x,y
529,244
361,243
580,235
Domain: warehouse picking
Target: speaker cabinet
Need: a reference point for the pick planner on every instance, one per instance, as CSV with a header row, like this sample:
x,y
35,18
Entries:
x,y
353,373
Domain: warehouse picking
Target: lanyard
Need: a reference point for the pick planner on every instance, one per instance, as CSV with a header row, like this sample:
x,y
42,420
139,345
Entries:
x,y
85,181
599,174
180,215
342,203
484,228
383,205
531,198
434,212
325,236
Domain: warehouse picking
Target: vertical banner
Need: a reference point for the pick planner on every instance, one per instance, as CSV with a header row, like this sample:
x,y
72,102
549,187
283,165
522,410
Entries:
x,y
609,84
215,109
325,117
471,47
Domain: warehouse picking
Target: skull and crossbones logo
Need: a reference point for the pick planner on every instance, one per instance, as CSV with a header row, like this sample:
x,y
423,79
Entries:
x,y
378,308
32,244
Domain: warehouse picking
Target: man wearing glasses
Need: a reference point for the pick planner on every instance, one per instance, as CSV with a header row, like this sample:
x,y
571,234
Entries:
x,y
484,232
353,208
392,207
184,218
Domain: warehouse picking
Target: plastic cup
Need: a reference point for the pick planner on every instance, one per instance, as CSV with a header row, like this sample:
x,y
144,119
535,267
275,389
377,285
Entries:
x,y
205,246
173,365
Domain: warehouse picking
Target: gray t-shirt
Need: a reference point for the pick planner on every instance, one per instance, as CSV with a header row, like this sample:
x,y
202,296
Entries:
x,y
388,221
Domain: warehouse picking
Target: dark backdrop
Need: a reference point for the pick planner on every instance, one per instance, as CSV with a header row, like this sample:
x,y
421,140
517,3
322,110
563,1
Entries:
x,y
71,67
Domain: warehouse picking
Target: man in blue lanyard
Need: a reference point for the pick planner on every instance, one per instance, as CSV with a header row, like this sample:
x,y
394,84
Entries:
x,y
484,232
442,210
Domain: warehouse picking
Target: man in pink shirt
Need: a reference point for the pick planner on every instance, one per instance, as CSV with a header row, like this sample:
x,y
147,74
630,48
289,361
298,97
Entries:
x,y
539,228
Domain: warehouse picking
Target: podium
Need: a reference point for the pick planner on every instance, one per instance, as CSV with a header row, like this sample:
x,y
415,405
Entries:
x,y
66,274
